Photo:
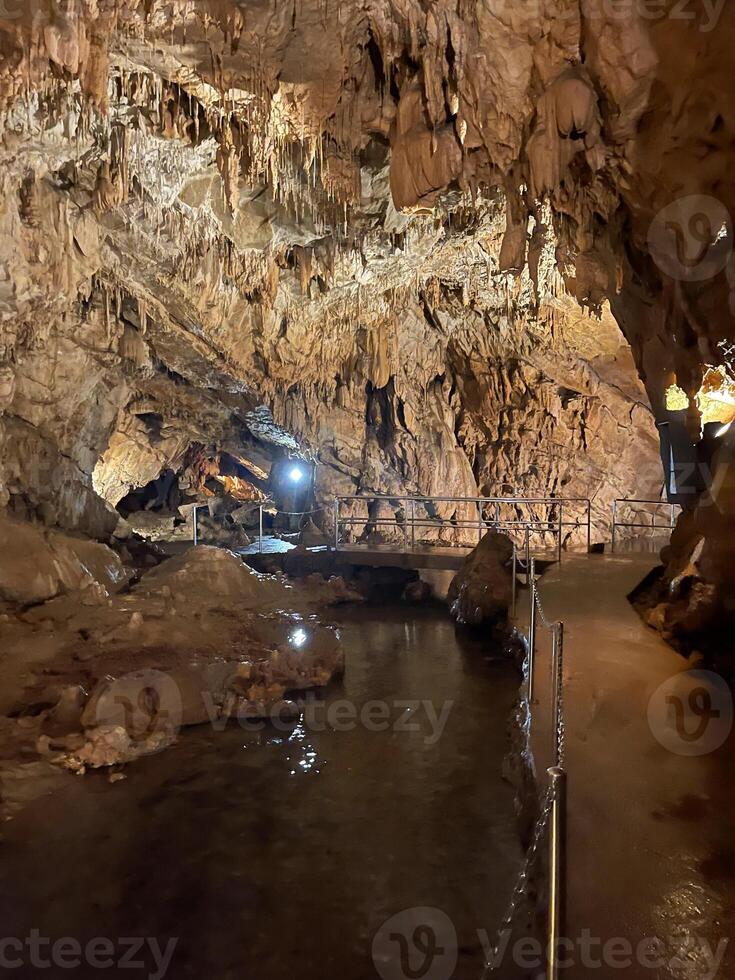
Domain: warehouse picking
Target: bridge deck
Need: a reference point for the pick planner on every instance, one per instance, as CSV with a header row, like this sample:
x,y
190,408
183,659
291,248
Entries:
x,y
437,557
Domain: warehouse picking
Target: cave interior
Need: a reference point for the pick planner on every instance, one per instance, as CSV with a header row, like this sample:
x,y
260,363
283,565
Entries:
x,y
308,305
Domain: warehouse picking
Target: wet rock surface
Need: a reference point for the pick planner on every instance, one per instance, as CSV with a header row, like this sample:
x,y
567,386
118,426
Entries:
x,y
96,680
481,591
38,564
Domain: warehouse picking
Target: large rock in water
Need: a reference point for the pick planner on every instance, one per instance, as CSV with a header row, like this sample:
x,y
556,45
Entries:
x,y
481,591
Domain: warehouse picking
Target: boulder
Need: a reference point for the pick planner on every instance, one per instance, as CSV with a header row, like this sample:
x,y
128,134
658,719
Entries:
x,y
206,571
247,515
482,591
311,537
112,745
417,592
36,564
152,524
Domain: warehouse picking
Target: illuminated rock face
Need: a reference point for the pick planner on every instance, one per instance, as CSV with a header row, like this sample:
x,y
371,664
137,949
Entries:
x,y
334,210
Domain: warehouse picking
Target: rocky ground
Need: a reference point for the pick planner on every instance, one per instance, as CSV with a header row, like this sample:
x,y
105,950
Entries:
x,y
96,672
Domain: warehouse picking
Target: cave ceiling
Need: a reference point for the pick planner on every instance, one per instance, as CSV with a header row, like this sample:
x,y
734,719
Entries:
x,y
410,231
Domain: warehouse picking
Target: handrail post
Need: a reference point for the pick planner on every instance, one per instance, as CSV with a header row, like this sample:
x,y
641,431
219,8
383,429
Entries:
x,y
615,518
405,526
561,527
336,523
514,585
479,522
532,629
194,522
260,535
528,555
589,526
557,867
413,524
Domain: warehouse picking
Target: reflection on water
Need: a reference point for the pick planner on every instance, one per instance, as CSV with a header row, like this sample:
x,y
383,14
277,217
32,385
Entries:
x,y
308,757
280,852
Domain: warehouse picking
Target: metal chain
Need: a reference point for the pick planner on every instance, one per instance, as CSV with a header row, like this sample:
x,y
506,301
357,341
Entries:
x,y
519,889
542,614
561,731
542,822
556,629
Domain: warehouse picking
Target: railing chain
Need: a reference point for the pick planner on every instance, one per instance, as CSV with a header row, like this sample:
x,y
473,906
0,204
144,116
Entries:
x,y
549,626
522,881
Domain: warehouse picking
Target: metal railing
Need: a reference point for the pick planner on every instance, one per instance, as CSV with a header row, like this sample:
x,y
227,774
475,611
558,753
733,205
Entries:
x,y
557,786
195,523
413,513
269,505
414,517
652,527
265,505
553,815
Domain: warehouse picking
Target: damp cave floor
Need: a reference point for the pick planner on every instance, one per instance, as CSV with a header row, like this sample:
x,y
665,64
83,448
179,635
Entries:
x,y
650,848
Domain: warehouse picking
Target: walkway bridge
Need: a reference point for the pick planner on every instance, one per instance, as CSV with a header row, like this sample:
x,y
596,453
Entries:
x,y
438,532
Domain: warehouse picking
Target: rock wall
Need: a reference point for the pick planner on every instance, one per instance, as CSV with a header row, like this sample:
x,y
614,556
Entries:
x,y
430,370
361,215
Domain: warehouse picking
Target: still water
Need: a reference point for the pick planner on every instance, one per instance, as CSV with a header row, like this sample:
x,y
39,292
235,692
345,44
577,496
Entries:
x,y
273,854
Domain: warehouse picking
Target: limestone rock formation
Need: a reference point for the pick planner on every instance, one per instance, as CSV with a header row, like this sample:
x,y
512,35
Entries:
x,y
404,229
38,565
481,591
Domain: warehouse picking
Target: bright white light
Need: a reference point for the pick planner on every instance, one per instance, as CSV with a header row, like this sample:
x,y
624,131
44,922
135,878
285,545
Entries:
x,y
296,474
299,637
723,430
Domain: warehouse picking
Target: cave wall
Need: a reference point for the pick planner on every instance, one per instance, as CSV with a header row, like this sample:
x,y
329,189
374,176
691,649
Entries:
x,y
293,205
435,373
